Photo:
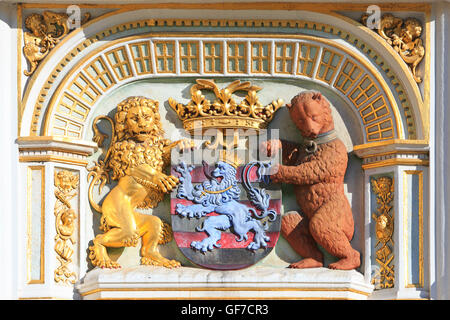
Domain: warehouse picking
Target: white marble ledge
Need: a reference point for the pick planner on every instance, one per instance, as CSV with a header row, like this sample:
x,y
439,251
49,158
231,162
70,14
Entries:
x,y
143,282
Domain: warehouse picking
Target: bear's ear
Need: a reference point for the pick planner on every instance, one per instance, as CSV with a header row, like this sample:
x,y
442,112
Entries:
x,y
317,96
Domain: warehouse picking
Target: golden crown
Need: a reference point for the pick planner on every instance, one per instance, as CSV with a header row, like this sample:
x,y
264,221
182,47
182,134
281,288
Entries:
x,y
224,112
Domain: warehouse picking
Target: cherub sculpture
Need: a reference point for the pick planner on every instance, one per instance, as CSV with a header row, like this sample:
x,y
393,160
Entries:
x,y
404,36
137,155
317,172
410,46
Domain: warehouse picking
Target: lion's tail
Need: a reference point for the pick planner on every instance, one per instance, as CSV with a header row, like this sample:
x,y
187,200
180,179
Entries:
x,y
166,233
90,197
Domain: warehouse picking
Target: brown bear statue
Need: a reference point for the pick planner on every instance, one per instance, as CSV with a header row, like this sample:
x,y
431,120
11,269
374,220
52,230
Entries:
x,y
316,169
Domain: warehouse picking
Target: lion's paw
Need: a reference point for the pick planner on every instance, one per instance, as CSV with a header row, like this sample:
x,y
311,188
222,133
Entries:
x,y
205,245
100,260
188,211
306,263
160,261
132,240
180,209
260,240
183,168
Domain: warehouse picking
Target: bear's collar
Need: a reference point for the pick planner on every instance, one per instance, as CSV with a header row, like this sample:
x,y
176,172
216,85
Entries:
x,y
311,145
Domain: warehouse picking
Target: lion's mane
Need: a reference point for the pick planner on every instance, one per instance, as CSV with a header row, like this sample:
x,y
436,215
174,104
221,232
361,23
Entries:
x,y
121,115
126,153
209,192
129,154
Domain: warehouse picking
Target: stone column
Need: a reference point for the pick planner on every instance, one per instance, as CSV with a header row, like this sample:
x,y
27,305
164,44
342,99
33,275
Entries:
x,y
52,216
397,229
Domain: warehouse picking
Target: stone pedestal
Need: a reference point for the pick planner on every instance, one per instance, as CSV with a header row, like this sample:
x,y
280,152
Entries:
x,y
143,282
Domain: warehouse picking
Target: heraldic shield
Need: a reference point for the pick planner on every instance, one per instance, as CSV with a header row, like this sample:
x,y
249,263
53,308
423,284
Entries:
x,y
225,212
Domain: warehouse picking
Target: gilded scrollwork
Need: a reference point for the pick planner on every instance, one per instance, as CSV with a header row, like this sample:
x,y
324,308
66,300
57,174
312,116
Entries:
x,y
66,184
384,277
47,29
404,36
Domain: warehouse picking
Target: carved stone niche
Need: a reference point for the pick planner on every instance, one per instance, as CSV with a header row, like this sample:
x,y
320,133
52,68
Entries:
x,y
268,278
384,184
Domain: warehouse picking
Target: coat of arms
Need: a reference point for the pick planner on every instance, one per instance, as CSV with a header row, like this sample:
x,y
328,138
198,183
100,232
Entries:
x,y
225,213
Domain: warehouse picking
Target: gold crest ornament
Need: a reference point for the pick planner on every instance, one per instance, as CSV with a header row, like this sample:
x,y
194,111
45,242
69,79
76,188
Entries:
x,y
47,29
404,36
135,158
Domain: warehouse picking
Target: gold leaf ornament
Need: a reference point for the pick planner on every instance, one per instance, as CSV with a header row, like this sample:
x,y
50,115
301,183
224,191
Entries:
x,y
404,37
45,31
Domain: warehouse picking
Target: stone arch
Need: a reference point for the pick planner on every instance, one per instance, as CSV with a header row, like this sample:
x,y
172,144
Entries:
x,y
406,121
122,61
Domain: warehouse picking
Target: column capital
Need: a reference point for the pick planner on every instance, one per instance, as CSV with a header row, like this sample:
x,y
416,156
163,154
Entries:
x,y
55,149
393,152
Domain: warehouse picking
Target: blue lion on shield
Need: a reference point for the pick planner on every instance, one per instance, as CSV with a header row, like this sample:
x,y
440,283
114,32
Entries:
x,y
220,194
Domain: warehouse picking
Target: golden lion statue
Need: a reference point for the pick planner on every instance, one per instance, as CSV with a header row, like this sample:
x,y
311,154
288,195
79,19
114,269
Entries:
x,y
136,156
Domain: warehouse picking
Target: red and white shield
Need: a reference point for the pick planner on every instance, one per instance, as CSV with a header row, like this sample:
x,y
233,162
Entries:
x,y
231,250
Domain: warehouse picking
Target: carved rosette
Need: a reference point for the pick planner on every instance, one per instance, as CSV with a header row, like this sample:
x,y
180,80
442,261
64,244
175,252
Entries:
x,y
404,36
383,187
66,188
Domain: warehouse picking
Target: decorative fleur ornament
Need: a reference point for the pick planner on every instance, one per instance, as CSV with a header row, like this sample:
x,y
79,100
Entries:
x,y
404,36
383,187
47,29
224,112
66,184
